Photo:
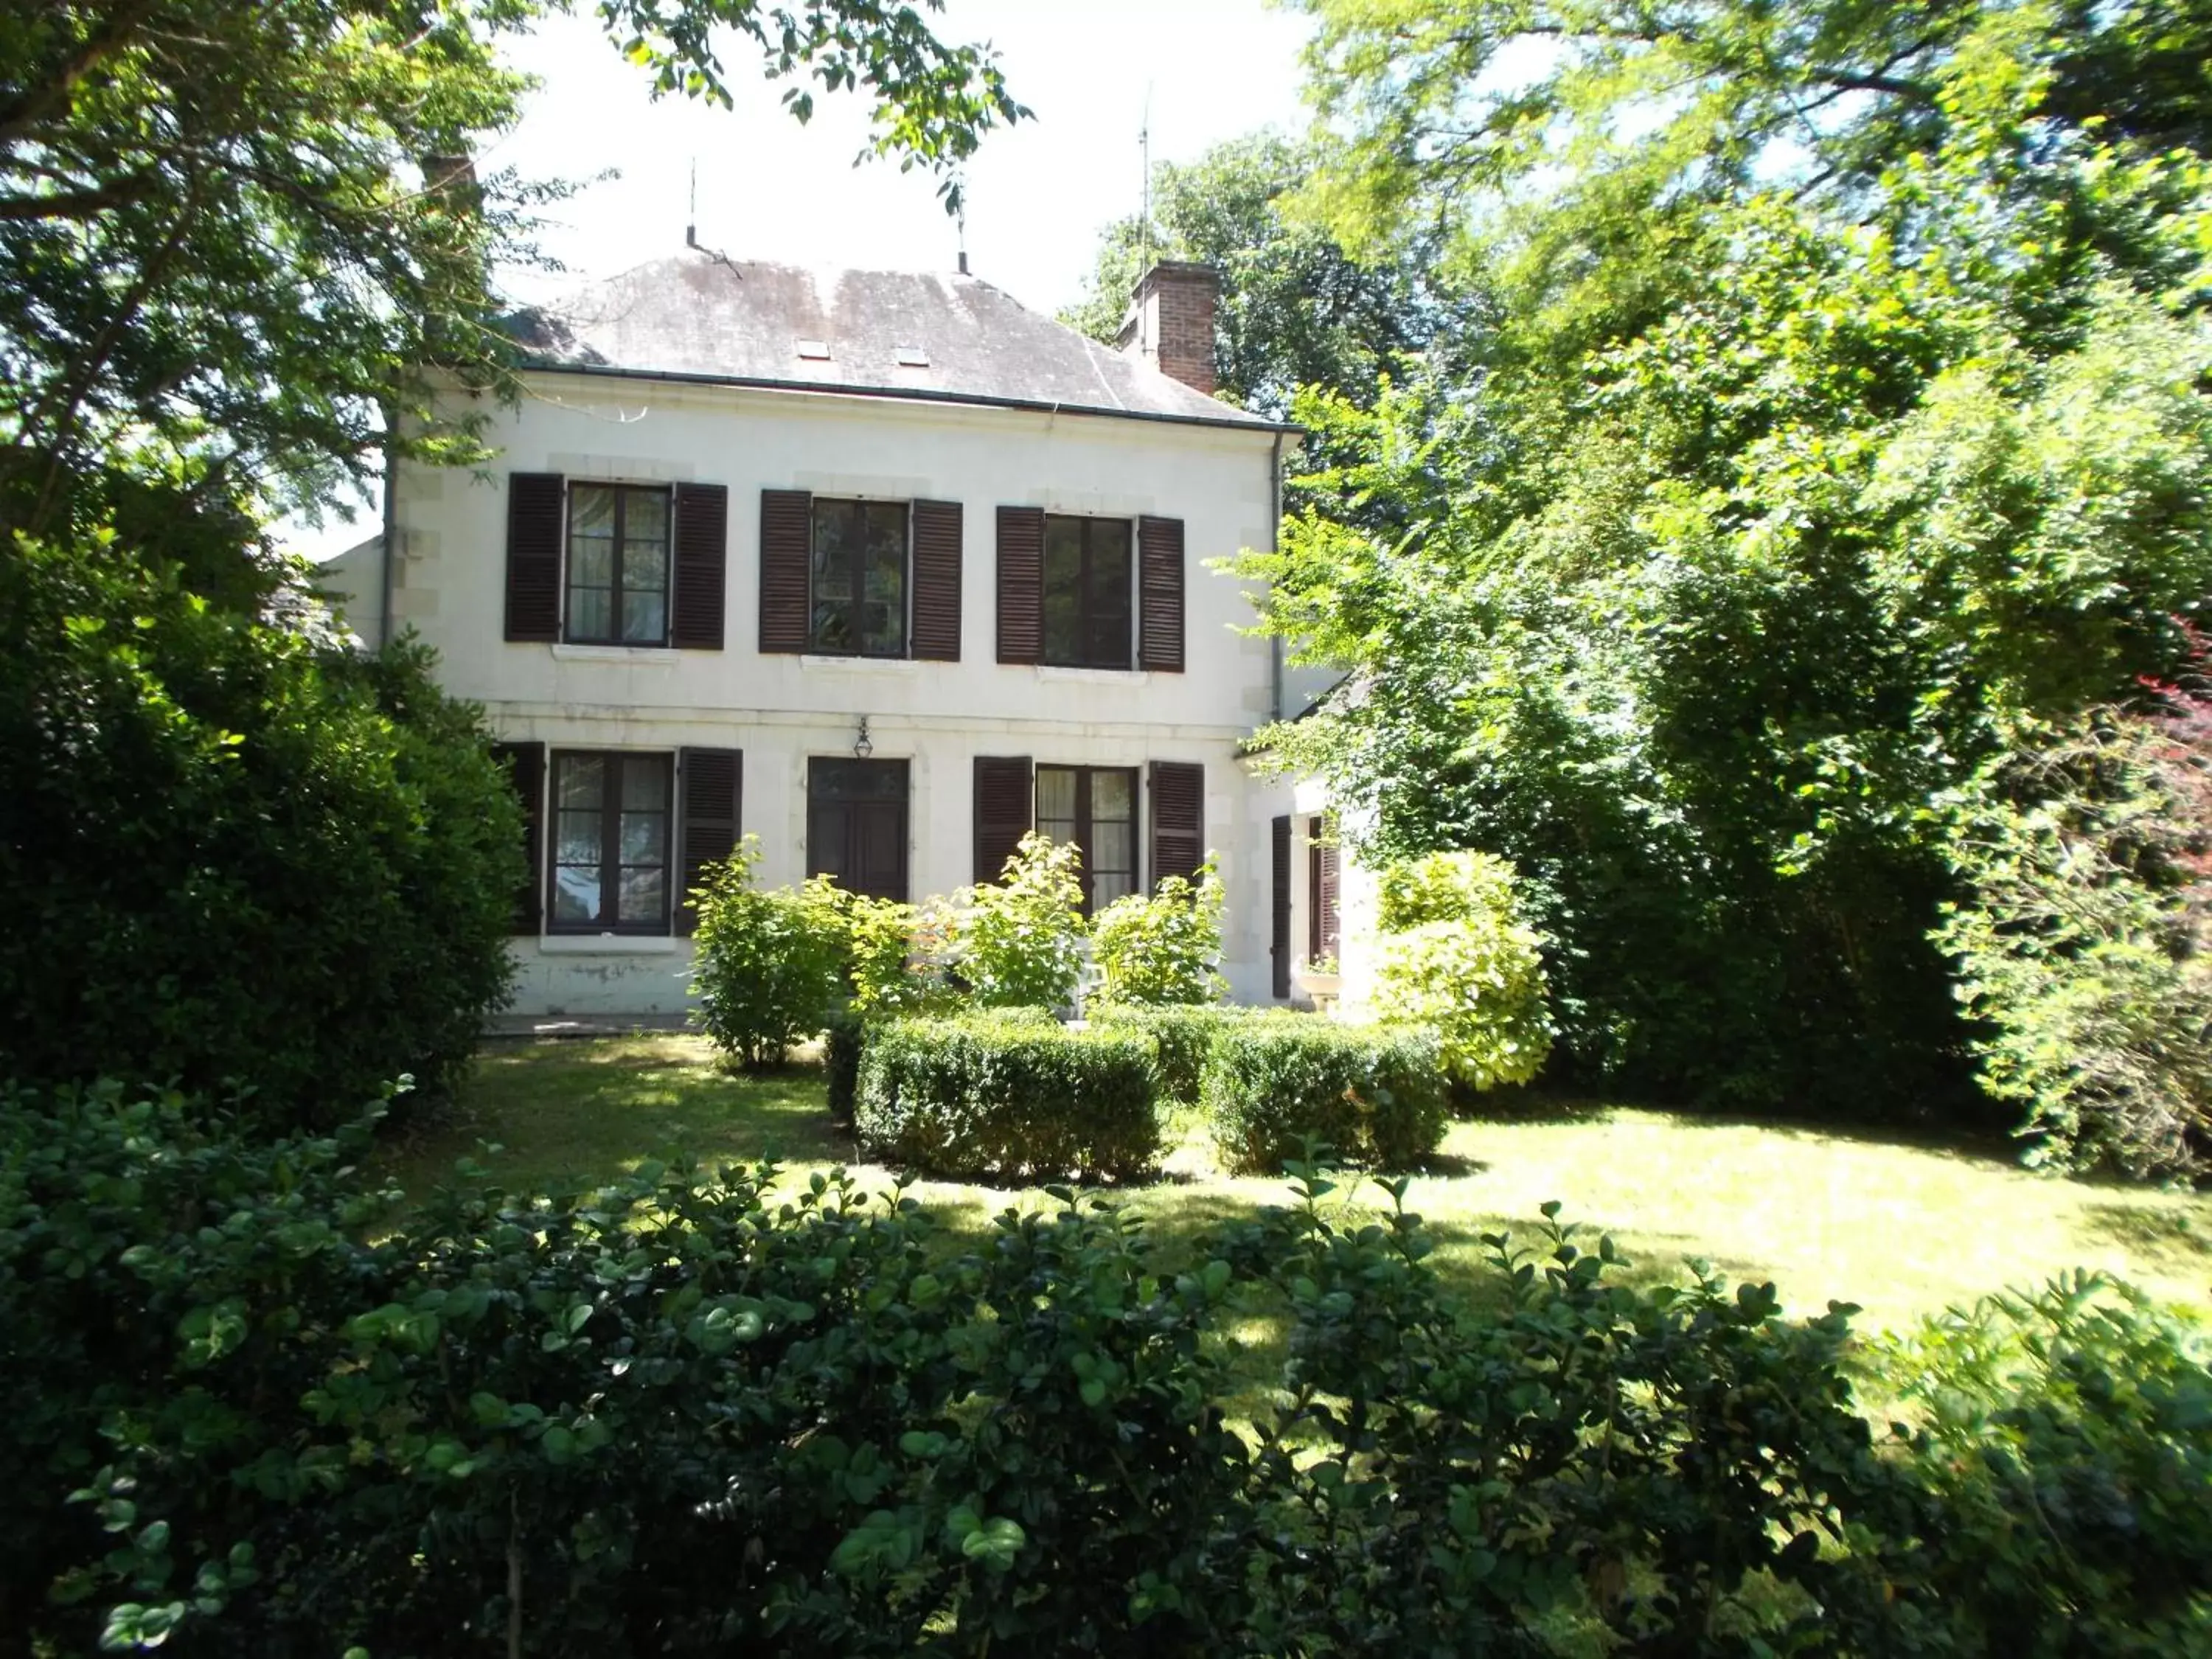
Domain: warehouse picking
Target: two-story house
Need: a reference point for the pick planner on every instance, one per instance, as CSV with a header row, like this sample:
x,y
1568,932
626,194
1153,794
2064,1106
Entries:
x,y
881,568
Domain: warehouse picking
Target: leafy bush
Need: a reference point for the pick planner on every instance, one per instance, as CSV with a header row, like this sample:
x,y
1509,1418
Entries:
x,y
1454,956
843,1040
771,965
897,957
961,1096
228,851
1018,942
1165,948
1375,1093
2086,949
668,1417
1184,1032
2063,1439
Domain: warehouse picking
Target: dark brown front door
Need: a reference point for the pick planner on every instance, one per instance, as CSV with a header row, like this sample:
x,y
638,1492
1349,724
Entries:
x,y
856,824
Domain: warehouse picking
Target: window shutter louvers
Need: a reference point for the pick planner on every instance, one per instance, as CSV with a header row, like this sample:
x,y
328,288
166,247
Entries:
x,y
702,541
1159,594
1278,947
1003,802
787,548
1321,924
534,503
1178,793
937,533
1021,584
711,784
525,769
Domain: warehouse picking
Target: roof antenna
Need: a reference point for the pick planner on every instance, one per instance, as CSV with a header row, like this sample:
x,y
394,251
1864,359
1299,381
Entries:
x,y
960,220
1145,150
692,230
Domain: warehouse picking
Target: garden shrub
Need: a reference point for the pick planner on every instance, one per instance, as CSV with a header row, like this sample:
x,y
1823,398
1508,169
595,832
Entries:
x,y
771,965
2063,1441
1164,947
1185,1033
2086,949
964,1097
261,1406
843,1040
897,957
1452,954
228,850
1019,941
1375,1093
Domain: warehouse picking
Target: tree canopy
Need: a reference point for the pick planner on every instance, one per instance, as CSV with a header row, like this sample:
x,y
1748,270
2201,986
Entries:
x,y
234,238
1842,420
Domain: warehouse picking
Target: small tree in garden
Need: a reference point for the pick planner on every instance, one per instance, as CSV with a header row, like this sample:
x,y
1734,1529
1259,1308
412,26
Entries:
x,y
771,965
1454,955
1165,948
1019,941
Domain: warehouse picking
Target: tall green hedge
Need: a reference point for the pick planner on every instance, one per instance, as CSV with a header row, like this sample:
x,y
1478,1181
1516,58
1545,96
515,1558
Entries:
x,y
230,851
979,1094
1375,1094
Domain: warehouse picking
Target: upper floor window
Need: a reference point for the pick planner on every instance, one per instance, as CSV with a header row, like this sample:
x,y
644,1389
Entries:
x,y
1087,582
857,579
617,565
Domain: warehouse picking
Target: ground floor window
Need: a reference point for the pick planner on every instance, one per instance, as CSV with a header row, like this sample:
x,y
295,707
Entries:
x,y
610,842
1324,922
1095,809
856,824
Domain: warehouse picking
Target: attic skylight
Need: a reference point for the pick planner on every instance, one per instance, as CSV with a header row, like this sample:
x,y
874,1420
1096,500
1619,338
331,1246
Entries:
x,y
913,356
818,350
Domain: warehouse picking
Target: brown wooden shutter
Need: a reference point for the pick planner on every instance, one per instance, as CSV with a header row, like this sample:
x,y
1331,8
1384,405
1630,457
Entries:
x,y
1178,793
1279,932
710,784
1321,913
534,503
1159,594
526,768
1021,584
787,549
937,531
702,548
1004,797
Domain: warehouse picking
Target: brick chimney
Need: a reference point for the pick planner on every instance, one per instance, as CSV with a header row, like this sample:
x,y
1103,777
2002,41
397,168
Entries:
x,y
1170,321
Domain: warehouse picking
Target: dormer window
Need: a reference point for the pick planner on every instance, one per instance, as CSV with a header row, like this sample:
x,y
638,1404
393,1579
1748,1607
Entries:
x,y
814,350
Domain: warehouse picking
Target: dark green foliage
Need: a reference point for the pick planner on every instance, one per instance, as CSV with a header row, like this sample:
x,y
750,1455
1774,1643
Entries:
x,y
2065,1438
987,1093
1377,1094
1185,1036
681,1418
841,1061
227,852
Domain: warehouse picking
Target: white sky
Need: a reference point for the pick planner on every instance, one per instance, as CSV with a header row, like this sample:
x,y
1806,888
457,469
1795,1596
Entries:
x,y
1038,193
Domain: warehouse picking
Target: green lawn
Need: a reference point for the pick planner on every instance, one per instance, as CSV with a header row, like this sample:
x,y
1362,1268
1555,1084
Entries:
x,y
1903,1230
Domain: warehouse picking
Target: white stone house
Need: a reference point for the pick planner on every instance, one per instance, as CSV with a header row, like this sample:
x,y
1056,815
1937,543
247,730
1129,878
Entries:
x,y
880,567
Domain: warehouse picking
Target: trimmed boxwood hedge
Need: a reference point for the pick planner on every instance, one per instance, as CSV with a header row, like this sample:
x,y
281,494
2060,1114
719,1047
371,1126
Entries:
x,y
1184,1032
988,1093
1375,1093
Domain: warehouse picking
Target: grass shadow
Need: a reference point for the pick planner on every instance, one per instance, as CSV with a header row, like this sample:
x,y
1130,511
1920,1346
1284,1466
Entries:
x,y
2172,1237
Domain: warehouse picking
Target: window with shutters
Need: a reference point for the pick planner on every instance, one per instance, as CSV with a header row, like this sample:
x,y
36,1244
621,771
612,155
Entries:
x,y
1094,809
856,824
610,824
857,579
1323,913
1087,582
617,565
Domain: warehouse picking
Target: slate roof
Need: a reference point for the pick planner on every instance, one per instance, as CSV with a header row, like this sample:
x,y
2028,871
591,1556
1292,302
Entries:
x,y
698,316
